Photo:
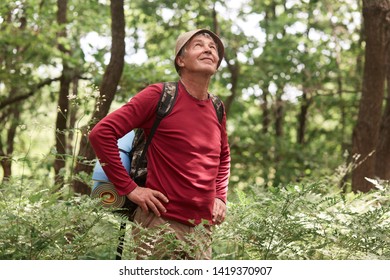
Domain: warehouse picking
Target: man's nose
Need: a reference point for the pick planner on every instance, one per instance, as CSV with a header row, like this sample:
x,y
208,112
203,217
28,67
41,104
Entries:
x,y
207,49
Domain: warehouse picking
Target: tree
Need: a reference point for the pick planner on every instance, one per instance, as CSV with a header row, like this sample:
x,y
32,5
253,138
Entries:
x,y
382,166
19,59
298,60
108,89
366,133
12,114
63,101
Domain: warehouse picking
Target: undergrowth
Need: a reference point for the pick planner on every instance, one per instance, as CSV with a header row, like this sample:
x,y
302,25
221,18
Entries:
x,y
36,223
309,221
302,221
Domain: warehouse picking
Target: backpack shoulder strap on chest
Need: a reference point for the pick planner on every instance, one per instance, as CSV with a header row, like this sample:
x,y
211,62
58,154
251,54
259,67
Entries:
x,y
164,107
218,105
167,99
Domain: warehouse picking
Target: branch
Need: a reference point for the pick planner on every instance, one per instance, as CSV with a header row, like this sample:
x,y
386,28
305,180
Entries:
x,y
14,99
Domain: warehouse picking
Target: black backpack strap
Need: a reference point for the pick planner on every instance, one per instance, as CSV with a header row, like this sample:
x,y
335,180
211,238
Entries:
x,y
218,105
167,99
121,239
164,107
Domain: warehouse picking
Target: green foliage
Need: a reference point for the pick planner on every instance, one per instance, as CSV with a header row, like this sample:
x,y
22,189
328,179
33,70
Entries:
x,y
306,221
36,223
314,46
161,243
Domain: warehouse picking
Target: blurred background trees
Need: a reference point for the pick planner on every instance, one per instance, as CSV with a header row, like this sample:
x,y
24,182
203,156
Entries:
x,y
305,83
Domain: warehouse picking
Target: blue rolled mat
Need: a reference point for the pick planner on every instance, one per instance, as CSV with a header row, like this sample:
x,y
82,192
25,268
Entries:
x,y
102,187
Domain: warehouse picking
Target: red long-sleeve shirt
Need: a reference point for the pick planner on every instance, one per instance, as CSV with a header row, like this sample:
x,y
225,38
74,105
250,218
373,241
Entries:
x,y
188,158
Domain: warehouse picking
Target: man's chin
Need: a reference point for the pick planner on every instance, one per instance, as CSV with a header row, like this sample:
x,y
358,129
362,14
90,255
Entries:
x,y
211,69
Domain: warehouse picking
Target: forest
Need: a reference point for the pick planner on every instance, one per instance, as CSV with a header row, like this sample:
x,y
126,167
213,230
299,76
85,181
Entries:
x,y
306,88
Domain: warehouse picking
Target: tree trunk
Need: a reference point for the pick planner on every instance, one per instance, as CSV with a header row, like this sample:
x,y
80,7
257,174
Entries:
x,y
234,68
63,102
382,167
279,115
302,117
366,131
7,150
265,110
72,116
108,88
61,128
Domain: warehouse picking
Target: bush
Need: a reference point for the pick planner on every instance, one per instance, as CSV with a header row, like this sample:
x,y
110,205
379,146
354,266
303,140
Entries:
x,y
302,221
36,223
306,221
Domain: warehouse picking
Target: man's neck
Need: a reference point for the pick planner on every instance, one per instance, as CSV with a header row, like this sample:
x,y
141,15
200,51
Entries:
x,y
196,86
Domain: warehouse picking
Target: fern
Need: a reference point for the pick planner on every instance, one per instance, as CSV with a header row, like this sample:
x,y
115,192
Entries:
x,y
306,221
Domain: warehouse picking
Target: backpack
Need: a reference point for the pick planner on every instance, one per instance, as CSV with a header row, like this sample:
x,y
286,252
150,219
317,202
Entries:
x,y
136,162
134,159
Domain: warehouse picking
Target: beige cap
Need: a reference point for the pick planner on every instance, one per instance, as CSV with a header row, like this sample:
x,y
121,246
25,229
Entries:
x,y
185,37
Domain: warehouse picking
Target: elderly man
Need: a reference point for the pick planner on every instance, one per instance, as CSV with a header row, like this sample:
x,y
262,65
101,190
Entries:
x,y
188,158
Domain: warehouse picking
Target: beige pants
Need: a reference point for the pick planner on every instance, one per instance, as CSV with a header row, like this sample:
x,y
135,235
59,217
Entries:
x,y
162,239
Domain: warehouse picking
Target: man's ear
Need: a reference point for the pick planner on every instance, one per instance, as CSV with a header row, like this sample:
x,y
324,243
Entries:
x,y
179,61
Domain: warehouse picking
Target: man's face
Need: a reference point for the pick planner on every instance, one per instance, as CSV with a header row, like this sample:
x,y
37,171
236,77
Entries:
x,y
200,55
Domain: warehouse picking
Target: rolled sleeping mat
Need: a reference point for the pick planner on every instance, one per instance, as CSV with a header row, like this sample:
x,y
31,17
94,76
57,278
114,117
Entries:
x,y
108,195
99,176
102,187
126,142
